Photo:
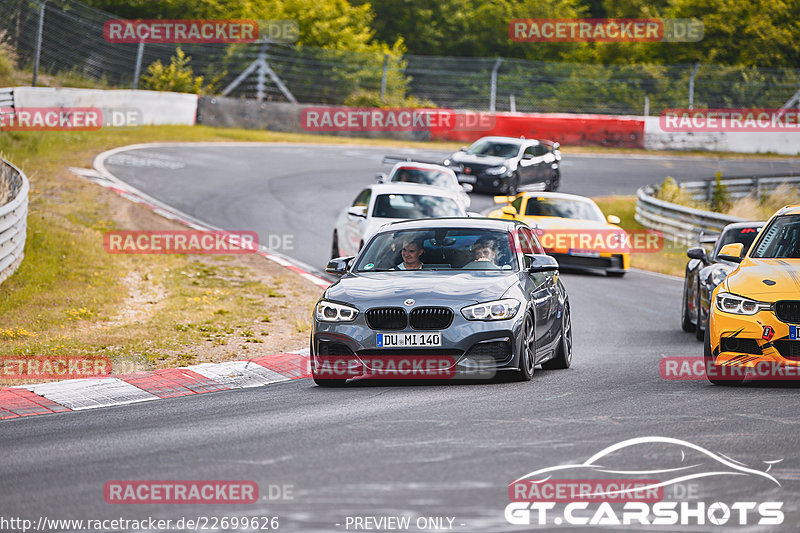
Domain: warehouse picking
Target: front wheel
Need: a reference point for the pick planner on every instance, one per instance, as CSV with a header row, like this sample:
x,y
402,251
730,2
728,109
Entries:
x,y
329,382
686,318
563,358
555,181
527,354
513,185
700,328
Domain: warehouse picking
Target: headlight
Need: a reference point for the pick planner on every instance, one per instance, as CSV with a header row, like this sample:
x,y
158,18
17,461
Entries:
x,y
717,274
738,305
497,310
496,171
331,312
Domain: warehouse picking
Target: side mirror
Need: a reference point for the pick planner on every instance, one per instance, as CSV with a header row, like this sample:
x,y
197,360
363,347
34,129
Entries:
x,y
613,219
338,266
509,210
697,253
358,211
541,263
732,252
527,156
381,177
462,149
467,187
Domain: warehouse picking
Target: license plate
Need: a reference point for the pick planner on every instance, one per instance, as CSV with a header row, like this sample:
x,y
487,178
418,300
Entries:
x,y
584,253
793,331
463,178
406,340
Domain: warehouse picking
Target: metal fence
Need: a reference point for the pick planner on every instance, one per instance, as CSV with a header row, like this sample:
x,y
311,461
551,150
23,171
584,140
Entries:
x,y
683,223
738,187
67,37
14,189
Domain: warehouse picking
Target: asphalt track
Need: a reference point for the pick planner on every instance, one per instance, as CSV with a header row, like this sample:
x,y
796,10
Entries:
x,y
389,449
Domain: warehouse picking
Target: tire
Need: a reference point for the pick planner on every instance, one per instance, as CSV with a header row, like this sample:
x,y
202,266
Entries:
x,y
699,327
329,382
563,358
555,181
709,361
335,246
686,319
615,273
527,354
513,185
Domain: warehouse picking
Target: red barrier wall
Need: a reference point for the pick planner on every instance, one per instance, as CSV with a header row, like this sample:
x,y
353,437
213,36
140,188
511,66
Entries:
x,y
568,129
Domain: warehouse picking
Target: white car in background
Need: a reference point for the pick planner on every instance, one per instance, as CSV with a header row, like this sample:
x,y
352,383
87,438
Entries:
x,y
427,174
383,203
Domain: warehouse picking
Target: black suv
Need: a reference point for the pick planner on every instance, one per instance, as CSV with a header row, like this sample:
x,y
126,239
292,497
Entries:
x,y
504,164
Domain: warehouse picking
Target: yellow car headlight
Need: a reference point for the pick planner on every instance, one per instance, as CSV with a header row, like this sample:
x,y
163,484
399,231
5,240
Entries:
x,y
739,305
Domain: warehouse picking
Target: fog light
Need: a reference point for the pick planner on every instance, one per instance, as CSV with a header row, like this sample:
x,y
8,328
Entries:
x,y
496,183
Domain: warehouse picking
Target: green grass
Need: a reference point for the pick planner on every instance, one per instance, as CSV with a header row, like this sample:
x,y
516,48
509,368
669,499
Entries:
x,y
671,259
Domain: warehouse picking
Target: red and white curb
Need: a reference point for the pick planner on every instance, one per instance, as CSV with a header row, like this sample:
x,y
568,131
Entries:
x,y
90,393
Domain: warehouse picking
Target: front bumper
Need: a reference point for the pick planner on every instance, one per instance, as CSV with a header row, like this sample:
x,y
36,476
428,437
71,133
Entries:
x,y
744,340
603,261
469,349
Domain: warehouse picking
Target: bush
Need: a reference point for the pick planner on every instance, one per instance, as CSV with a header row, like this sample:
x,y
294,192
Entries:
x,y
720,198
176,77
362,98
670,191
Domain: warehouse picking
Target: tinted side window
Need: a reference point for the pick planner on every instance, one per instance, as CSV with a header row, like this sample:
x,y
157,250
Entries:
x,y
539,150
529,151
535,245
363,198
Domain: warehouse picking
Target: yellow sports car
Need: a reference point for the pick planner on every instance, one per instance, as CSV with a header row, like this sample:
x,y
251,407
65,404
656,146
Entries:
x,y
754,322
572,229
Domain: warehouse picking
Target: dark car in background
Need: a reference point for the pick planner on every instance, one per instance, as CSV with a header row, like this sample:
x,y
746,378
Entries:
x,y
485,300
504,164
705,271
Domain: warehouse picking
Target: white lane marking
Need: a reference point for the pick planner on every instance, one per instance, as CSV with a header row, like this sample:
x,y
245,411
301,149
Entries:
x,y
90,393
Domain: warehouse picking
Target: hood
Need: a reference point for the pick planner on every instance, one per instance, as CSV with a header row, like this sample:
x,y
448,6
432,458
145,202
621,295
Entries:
x,y
448,288
748,279
479,161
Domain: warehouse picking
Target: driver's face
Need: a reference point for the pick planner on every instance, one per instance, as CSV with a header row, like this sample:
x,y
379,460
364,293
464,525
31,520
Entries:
x,y
411,253
484,254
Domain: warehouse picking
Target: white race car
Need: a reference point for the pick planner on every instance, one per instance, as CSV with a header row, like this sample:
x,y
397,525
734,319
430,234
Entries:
x,y
427,174
383,203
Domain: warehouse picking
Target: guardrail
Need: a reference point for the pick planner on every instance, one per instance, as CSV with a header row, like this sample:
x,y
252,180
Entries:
x,y
14,188
685,224
677,221
738,186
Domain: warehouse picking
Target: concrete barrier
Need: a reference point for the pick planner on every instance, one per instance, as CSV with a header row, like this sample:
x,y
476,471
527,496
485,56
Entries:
x,y
227,112
787,143
156,107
